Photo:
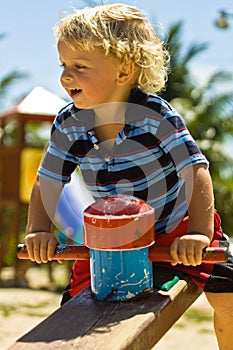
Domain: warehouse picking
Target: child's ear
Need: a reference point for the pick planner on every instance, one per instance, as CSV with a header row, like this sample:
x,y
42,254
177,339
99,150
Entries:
x,y
126,73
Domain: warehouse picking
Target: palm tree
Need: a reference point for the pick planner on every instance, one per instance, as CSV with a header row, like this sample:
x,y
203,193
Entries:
x,y
7,80
179,83
207,111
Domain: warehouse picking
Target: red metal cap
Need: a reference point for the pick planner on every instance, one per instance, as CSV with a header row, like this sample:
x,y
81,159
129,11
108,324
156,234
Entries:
x,y
119,222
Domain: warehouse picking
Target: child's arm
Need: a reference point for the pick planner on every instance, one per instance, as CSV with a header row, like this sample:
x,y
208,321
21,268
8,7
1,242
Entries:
x,y
40,240
187,249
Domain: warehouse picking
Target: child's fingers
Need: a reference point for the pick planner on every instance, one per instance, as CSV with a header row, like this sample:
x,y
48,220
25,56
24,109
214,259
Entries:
x,y
41,246
52,243
174,252
185,254
29,240
44,251
187,250
30,251
182,252
198,255
37,252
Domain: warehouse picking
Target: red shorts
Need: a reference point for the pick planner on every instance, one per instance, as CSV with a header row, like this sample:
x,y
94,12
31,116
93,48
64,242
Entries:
x,y
210,277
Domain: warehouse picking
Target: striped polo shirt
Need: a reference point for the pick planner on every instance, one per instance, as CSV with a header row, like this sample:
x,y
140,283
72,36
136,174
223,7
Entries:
x,y
146,160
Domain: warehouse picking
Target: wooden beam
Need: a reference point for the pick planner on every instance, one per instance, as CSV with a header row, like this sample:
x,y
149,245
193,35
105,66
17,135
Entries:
x,y
83,323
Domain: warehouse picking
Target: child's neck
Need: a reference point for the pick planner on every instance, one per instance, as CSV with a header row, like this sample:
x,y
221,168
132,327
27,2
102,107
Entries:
x,y
110,113
109,120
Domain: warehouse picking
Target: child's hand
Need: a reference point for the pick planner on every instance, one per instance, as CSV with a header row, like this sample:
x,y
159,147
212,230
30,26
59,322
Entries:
x,y
187,249
41,246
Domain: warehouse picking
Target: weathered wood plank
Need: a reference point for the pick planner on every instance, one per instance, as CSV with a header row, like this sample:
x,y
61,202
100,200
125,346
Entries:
x,y
86,324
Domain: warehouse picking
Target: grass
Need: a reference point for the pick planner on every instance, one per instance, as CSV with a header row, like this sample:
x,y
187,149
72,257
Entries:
x,y
197,316
6,310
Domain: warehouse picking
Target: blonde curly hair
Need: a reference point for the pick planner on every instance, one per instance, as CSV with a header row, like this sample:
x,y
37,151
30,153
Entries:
x,y
123,31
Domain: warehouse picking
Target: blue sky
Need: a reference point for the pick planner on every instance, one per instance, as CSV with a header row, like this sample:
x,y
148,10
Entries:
x,y
29,45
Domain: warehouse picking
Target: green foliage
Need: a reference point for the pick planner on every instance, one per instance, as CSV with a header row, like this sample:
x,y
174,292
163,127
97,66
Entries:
x,y
37,134
7,80
179,83
207,110
8,242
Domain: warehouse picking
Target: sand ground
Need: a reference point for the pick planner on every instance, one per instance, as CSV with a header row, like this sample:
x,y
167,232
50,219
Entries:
x,y
21,309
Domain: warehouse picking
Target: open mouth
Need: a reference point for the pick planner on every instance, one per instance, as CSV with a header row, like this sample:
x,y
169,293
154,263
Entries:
x,y
75,92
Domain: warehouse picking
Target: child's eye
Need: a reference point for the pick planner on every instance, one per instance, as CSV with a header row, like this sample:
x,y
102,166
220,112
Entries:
x,y
78,66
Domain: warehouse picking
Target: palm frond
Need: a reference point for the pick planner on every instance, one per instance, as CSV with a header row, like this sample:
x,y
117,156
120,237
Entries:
x,y
8,80
194,50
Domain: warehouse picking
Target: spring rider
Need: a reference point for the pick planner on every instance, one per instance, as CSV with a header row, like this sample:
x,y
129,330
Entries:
x,y
119,241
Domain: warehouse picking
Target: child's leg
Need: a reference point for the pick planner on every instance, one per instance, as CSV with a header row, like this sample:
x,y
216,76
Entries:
x,y
222,304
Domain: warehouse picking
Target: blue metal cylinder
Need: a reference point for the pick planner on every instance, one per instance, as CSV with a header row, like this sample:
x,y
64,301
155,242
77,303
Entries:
x,y
120,275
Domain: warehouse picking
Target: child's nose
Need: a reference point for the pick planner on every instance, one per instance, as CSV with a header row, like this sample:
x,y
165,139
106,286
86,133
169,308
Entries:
x,y
66,75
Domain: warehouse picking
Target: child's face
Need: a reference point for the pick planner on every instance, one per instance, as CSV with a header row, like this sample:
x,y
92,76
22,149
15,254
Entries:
x,y
90,78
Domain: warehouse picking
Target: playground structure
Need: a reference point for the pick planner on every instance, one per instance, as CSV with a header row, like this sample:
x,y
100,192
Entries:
x,y
119,238
125,307
19,160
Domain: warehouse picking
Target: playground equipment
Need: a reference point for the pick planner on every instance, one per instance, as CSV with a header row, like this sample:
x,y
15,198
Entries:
x,y
19,160
119,241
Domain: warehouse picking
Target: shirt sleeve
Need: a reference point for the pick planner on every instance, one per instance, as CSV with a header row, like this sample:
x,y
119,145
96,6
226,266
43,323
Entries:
x,y
177,142
59,161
